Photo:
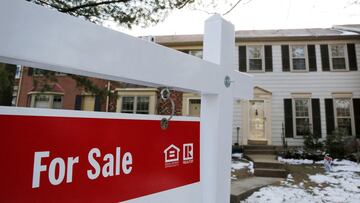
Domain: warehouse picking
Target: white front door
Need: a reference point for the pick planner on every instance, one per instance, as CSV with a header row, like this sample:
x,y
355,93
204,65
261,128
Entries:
x,y
257,120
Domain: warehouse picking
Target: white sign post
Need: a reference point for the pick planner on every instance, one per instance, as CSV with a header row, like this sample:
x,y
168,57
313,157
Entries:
x,y
31,35
217,112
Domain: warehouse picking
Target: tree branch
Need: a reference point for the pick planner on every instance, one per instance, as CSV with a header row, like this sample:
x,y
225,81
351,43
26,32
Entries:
x,y
91,4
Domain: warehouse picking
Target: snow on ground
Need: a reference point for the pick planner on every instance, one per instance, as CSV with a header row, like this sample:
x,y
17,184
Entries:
x,y
237,155
237,165
295,161
340,185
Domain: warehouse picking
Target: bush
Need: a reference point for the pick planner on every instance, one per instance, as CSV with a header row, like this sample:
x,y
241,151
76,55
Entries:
x,y
335,144
301,153
312,142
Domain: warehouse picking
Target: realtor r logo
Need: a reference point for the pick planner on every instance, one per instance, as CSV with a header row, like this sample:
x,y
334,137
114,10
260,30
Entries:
x,y
188,153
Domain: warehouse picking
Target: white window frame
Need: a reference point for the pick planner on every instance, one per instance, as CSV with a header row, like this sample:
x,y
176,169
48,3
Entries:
x,y
294,115
51,98
137,92
188,103
345,57
305,56
135,103
262,59
351,114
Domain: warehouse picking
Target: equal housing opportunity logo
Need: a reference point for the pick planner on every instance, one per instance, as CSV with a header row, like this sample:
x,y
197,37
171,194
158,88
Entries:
x,y
172,155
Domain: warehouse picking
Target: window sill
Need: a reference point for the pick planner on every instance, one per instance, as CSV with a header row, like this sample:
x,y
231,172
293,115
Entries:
x,y
345,70
299,71
256,71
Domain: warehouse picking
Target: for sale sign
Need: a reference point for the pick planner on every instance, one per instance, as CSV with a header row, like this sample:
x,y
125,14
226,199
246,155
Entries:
x,y
72,159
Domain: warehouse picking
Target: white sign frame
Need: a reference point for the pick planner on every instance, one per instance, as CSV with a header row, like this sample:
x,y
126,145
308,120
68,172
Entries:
x,y
34,36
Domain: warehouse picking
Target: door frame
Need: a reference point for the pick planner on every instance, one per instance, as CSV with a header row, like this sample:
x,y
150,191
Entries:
x,y
249,120
260,94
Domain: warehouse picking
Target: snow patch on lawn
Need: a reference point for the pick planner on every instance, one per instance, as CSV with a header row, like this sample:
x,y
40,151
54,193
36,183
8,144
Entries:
x,y
340,185
295,161
319,179
279,194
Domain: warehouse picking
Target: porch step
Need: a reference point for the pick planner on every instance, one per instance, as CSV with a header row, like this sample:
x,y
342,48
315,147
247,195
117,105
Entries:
x,y
266,165
257,142
259,151
255,147
270,172
269,165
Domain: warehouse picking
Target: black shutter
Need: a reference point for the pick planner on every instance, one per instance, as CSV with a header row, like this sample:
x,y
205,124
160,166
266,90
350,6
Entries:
x,y
242,58
329,113
289,131
324,49
268,58
97,106
30,71
312,57
356,105
285,58
316,119
352,57
78,100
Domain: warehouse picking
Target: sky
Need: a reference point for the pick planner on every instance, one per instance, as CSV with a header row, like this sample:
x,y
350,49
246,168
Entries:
x,y
257,15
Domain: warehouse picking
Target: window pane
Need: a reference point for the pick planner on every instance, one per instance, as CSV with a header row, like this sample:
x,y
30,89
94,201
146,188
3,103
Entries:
x,y
299,64
302,107
57,102
127,105
337,50
342,107
345,123
255,64
255,52
302,126
142,106
41,101
338,63
298,51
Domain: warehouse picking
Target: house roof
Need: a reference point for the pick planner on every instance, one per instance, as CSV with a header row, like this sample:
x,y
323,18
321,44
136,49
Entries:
x,y
348,27
54,87
271,35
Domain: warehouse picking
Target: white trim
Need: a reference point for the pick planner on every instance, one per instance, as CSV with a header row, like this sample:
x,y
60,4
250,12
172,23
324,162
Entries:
x,y
137,92
345,57
188,193
51,98
305,57
22,111
47,93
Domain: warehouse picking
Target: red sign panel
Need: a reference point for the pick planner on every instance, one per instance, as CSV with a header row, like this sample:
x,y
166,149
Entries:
x,y
62,159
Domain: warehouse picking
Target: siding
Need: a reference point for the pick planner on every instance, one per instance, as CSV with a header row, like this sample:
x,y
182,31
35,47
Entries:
x,y
320,84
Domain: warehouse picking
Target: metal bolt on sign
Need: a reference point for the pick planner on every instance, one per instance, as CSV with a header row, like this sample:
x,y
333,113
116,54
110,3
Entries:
x,y
165,95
